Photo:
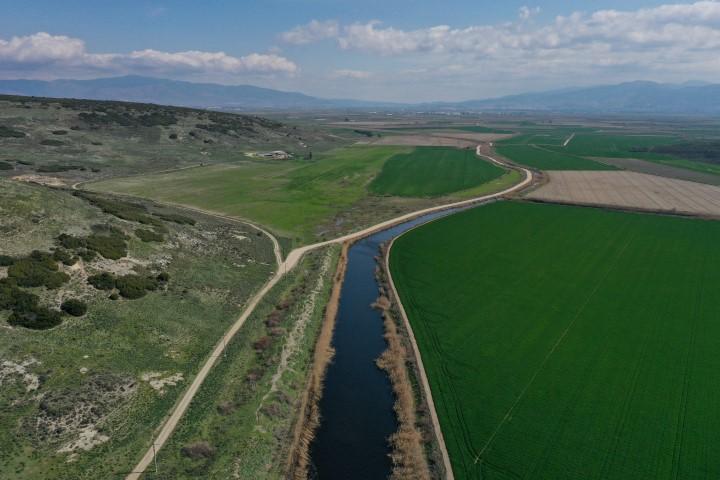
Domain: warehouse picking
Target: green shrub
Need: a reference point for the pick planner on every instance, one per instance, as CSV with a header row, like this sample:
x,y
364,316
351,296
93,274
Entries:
x,y
38,269
6,132
149,235
59,132
125,210
6,166
74,307
163,277
36,318
102,281
70,241
135,286
176,218
6,260
173,136
52,143
87,255
112,247
107,240
11,296
58,168
62,255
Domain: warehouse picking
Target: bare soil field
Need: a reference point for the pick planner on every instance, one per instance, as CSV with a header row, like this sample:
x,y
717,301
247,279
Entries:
x,y
630,190
424,141
643,166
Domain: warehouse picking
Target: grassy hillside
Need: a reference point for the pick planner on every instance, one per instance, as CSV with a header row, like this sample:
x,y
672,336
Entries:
x,y
570,342
81,400
83,139
431,172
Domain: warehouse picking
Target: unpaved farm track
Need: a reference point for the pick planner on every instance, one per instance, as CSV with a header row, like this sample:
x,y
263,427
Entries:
x,y
285,266
631,190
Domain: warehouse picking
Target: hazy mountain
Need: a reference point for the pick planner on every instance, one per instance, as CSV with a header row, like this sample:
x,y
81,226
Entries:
x,y
173,92
633,97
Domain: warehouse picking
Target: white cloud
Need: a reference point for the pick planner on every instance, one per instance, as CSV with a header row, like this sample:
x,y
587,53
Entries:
x,y
354,74
683,26
526,13
669,37
41,47
45,51
311,32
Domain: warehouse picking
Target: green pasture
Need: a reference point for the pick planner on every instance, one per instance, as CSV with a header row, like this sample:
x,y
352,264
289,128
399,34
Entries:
x,y
291,197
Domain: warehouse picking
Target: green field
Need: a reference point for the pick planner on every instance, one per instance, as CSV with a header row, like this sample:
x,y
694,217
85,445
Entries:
x,y
433,171
307,200
543,158
291,197
566,342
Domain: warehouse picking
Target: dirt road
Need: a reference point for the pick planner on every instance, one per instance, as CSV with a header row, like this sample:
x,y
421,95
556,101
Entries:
x,y
285,266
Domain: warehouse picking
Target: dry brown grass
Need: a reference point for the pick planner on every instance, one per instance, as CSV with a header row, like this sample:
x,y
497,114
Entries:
x,y
309,417
408,454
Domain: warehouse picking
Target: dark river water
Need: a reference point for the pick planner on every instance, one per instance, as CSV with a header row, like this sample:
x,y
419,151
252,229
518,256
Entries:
x,y
356,408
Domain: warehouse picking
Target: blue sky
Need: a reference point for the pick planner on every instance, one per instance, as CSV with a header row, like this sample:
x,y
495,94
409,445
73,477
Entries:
x,y
404,50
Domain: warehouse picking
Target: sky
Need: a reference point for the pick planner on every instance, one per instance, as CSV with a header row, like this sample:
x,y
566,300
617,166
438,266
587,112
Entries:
x,y
385,50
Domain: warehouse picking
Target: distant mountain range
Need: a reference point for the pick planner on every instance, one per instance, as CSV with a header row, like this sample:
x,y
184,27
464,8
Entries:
x,y
173,92
632,97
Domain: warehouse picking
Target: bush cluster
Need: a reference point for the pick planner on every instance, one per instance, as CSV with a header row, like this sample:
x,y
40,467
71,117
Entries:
x,y
132,212
25,309
6,166
102,281
111,244
149,235
6,260
62,255
130,286
107,117
135,286
176,218
74,307
37,270
58,168
52,143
